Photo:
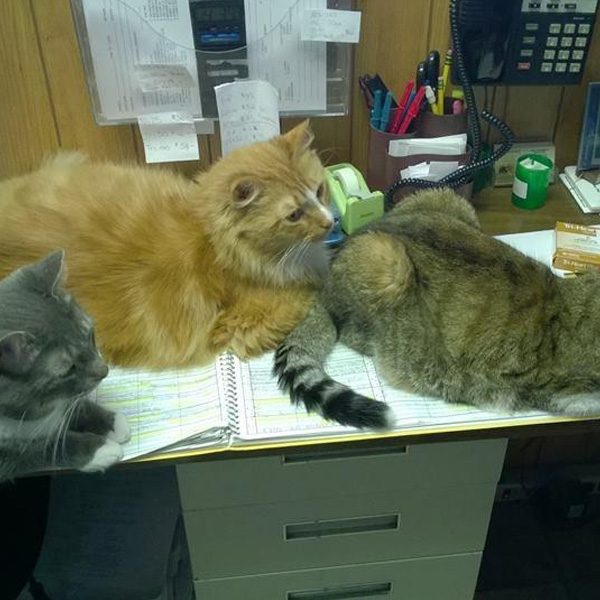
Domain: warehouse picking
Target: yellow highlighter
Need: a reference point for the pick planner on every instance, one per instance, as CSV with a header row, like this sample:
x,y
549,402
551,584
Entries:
x,y
444,85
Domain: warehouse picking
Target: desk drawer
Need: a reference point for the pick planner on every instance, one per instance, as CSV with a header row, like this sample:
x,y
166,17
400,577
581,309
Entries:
x,y
440,578
338,471
332,532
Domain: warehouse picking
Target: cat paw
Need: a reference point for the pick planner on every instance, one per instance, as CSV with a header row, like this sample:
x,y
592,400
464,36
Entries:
x,y
108,454
582,407
120,432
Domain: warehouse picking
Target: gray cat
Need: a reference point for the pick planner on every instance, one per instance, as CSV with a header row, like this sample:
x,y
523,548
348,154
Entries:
x,y
48,365
447,311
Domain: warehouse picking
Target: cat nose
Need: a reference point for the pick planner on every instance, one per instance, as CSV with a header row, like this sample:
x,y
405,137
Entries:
x,y
98,369
327,224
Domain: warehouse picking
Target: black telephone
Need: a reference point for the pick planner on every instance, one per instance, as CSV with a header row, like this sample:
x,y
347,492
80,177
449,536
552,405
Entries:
x,y
529,43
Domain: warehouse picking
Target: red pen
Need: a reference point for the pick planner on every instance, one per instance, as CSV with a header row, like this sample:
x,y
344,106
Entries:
x,y
401,106
413,110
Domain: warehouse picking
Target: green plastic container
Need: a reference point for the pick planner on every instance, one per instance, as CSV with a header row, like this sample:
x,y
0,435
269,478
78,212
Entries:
x,y
532,177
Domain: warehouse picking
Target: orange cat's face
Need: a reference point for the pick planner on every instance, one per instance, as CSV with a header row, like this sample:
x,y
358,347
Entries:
x,y
279,191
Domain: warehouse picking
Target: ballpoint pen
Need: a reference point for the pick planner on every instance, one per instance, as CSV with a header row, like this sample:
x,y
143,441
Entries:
x,y
413,110
430,97
402,106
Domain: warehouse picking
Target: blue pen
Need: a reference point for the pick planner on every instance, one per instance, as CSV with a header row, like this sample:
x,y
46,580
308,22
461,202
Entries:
x,y
385,112
376,112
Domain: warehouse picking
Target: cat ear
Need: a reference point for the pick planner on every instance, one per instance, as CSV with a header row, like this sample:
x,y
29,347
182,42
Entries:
x,y
300,138
50,272
18,351
245,191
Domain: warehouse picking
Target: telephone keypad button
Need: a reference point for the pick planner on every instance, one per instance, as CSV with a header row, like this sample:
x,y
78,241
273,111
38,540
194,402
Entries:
x,y
580,42
563,54
570,28
554,28
566,42
584,29
575,67
546,67
577,54
551,42
561,67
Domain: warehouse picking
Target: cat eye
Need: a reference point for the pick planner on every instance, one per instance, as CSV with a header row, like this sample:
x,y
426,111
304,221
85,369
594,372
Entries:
x,y
71,370
321,190
296,215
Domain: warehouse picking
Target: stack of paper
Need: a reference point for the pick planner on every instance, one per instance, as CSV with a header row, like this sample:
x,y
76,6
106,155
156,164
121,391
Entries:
x,y
430,171
448,145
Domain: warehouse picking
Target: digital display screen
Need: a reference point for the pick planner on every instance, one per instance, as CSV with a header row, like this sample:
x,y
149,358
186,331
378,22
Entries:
x,y
220,38
218,13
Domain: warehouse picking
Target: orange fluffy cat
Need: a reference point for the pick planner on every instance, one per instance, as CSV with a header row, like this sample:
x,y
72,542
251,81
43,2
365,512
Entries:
x,y
176,271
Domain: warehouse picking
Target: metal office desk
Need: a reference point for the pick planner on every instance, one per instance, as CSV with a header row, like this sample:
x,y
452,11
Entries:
x,y
404,517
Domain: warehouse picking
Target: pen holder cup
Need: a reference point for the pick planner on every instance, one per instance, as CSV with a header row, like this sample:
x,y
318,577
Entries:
x,y
395,164
378,157
430,125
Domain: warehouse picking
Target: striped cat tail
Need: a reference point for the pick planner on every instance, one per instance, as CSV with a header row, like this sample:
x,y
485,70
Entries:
x,y
299,368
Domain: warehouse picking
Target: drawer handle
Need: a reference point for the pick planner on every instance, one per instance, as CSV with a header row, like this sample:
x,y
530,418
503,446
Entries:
x,y
320,529
304,457
364,591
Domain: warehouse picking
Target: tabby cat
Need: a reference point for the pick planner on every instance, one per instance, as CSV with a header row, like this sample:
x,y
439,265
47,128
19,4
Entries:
x,y
175,271
48,366
445,310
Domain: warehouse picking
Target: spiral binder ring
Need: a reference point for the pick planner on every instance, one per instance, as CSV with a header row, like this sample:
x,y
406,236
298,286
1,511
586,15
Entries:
x,y
228,375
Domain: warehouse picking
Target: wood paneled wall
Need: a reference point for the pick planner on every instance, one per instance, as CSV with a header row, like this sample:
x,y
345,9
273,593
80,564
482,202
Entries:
x,y
44,103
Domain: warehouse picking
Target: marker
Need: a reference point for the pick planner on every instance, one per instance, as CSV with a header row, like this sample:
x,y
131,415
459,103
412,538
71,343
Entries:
x,y
385,112
440,96
376,110
443,90
433,69
421,76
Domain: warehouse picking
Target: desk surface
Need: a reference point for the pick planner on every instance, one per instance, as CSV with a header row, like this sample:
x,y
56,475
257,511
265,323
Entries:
x,y
498,216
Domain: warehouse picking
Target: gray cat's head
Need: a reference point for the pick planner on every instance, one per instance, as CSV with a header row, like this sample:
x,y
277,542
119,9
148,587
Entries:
x,y
47,349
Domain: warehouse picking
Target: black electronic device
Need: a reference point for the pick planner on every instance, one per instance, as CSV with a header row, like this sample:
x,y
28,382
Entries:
x,y
519,42
219,29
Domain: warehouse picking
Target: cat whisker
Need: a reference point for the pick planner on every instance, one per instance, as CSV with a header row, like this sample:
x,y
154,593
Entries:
x,y
63,427
286,254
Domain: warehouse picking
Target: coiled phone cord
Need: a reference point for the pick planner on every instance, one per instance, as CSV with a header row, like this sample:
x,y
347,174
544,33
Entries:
x,y
463,174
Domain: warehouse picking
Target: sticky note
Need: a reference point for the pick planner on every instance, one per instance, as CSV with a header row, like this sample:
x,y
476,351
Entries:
x,y
157,77
328,25
169,137
248,113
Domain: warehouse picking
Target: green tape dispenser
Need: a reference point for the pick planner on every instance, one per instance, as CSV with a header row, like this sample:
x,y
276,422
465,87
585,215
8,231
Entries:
x,y
356,204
